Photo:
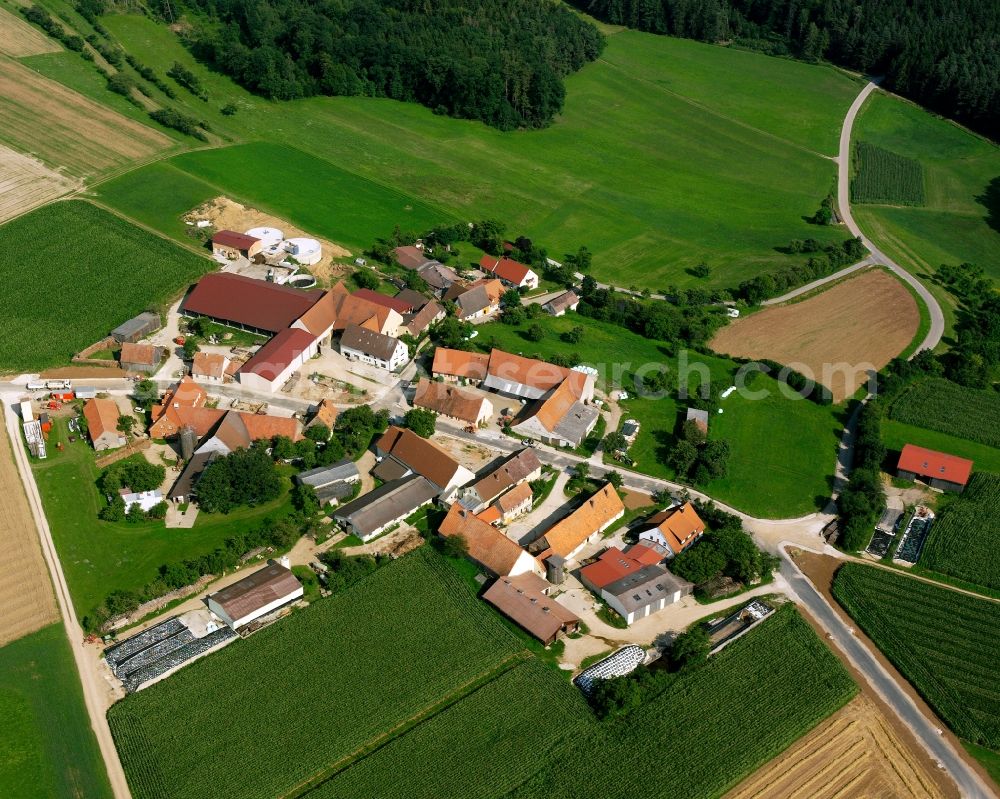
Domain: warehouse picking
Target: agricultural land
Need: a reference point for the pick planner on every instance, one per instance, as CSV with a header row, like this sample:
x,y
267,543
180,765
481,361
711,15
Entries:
x,y
19,38
62,128
883,177
26,183
895,435
689,137
452,688
854,754
957,221
99,557
48,747
791,439
942,641
864,320
962,541
947,407
108,257
27,599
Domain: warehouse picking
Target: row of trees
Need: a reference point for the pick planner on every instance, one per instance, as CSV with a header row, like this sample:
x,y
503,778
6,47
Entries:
x,y
278,535
499,61
774,284
941,53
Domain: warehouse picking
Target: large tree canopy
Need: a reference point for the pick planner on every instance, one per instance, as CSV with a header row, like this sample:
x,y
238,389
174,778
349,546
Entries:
x,y
500,61
944,54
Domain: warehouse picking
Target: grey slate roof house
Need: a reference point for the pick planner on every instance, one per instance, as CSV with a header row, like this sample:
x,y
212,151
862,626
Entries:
x,y
361,344
333,482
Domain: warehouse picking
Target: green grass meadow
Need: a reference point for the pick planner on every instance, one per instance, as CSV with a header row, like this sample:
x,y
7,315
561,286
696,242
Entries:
x,y
80,271
668,152
952,225
47,748
321,198
791,441
97,556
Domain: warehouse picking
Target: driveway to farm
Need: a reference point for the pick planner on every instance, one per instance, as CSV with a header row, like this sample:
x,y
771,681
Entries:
x,y
936,329
970,784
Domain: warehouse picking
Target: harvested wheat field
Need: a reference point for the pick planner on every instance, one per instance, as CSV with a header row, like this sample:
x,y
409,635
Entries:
x,y
26,183
854,754
18,38
26,594
227,214
834,336
65,129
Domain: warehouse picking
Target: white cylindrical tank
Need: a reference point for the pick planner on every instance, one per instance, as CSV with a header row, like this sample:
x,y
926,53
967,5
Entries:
x,y
305,251
269,236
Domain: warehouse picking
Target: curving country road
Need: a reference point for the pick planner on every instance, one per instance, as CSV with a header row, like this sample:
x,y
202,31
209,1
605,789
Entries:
x,y
844,204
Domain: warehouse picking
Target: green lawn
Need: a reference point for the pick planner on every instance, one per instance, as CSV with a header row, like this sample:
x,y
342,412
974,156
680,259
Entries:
x,y
896,434
952,226
99,556
722,157
79,272
47,748
793,442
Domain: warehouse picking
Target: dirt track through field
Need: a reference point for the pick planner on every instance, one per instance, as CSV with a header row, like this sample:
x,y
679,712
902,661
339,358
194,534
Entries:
x,y
26,595
65,129
19,38
855,754
26,183
864,321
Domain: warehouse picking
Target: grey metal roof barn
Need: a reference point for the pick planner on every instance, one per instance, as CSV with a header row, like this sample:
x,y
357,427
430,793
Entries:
x,y
331,482
387,504
136,328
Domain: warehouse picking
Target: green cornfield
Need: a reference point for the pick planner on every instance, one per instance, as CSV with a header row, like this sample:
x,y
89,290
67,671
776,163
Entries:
x,y
944,642
267,715
72,272
947,407
963,539
883,177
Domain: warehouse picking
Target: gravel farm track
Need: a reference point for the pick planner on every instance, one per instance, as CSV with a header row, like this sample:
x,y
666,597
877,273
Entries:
x,y
26,596
869,318
854,754
60,126
18,38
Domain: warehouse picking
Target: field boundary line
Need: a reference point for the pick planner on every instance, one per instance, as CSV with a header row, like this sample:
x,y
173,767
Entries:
x,y
719,114
310,784
74,633
922,578
823,281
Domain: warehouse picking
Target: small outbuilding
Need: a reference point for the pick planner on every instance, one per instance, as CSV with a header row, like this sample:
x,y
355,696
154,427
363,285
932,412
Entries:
x,y
938,469
261,593
525,600
138,327
231,245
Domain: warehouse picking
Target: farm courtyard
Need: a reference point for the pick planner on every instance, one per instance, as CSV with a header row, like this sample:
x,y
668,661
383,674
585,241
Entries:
x,y
865,320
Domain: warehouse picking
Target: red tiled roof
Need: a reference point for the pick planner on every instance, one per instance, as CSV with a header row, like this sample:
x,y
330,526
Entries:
x,y
145,354
459,363
209,364
230,238
613,564
487,545
505,268
411,257
273,358
596,512
419,455
245,301
102,417
449,400
398,305
935,465
678,525
541,375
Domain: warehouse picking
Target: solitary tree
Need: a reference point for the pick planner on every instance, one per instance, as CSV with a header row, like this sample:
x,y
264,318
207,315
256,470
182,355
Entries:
x,y
535,333
421,421
126,422
690,648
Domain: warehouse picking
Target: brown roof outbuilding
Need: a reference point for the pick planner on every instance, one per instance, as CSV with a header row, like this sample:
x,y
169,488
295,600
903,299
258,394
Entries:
x,y
256,591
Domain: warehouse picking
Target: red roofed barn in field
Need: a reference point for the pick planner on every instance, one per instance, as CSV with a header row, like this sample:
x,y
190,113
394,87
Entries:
x,y
231,245
937,469
247,303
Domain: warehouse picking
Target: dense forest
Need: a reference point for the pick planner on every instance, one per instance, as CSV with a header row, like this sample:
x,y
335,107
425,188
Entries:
x,y
499,61
945,54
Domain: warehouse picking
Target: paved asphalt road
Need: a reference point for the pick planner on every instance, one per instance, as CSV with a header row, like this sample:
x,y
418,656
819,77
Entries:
x,y
844,204
969,782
